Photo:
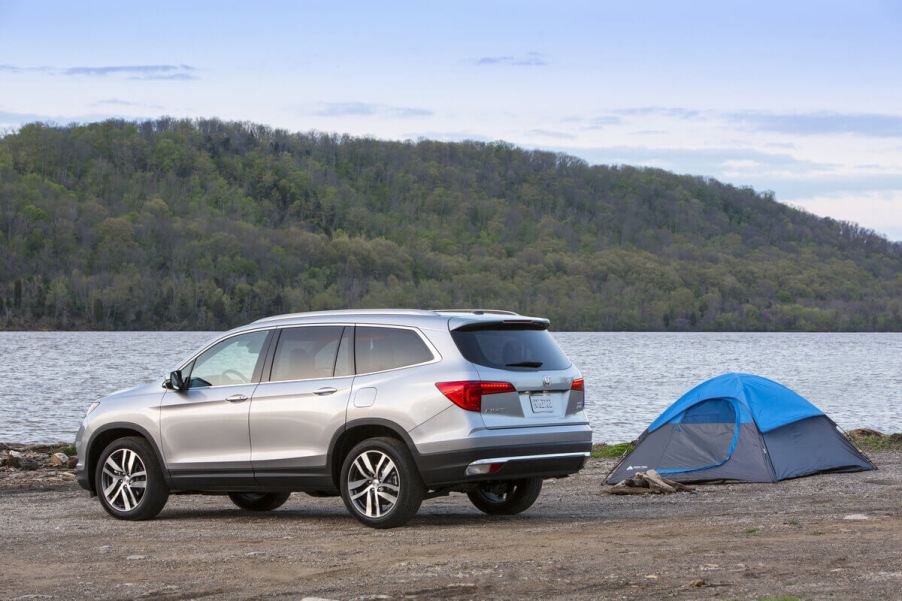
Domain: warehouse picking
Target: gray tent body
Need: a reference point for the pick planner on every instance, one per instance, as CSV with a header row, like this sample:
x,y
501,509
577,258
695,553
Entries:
x,y
741,427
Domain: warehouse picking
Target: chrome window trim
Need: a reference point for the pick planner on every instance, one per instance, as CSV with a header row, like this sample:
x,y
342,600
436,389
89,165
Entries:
x,y
436,356
185,363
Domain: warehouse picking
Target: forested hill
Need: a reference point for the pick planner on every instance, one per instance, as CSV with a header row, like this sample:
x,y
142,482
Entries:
x,y
205,225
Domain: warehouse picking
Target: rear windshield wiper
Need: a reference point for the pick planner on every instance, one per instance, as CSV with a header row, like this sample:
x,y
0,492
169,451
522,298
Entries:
x,y
525,364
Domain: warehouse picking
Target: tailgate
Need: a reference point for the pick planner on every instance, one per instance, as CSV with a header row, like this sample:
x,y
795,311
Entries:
x,y
525,354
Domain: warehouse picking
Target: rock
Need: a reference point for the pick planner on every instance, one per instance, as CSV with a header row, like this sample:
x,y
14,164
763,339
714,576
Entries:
x,y
856,517
697,583
136,557
73,461
865,433
19,461
59,459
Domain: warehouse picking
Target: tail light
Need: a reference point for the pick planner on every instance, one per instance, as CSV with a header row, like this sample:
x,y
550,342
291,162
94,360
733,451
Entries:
x,y
468,395
580,385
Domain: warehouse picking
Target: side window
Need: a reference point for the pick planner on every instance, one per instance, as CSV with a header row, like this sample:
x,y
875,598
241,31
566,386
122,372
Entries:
x,y
305,353
378,349
229,362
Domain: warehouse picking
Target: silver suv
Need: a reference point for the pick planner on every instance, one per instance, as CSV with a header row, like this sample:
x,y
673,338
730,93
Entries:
x,y
384,407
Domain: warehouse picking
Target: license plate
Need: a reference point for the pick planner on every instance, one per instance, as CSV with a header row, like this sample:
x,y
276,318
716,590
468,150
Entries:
x,y
541,403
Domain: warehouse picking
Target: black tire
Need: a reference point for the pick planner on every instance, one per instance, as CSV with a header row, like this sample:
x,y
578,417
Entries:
x,y
259,501
124,499
506,497
401,481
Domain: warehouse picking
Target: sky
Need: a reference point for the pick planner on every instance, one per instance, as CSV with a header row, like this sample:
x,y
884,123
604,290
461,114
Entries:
x,y
803,99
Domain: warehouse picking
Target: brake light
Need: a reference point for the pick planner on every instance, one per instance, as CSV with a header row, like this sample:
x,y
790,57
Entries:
x,y
578,384
468,394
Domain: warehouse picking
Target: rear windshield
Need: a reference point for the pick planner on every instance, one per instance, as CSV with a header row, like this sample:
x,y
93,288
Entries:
x,y
512,349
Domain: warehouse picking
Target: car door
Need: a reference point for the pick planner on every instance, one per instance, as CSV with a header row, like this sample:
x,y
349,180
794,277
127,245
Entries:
x,y
300,404
204,429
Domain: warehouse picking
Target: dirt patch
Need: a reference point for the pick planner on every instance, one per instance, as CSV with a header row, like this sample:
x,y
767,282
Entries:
x,y
825,537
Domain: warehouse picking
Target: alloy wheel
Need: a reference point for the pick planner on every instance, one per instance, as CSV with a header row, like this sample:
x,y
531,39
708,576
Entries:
x,y
124,479
373,484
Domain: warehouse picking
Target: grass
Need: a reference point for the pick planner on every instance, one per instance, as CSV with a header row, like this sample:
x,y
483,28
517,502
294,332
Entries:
x,y
68,450
781,598
751,531
878,443
795,523
611,451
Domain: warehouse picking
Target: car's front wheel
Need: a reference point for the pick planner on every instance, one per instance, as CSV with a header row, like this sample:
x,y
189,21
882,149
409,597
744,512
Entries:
x,y
259,501
380,484
128,480
507,497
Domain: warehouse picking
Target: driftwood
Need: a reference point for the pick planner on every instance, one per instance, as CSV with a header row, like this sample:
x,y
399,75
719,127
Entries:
x,y
647,483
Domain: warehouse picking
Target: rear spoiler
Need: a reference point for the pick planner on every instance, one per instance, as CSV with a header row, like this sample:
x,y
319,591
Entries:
x,y
463,324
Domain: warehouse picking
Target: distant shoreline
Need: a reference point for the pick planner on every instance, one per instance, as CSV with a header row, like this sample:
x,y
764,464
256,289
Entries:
x,y
865,438
553,330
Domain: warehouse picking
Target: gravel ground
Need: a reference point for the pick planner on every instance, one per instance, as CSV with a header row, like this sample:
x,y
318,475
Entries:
x,y
825,537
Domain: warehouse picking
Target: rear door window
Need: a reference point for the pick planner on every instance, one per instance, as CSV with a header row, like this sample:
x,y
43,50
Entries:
x,y
379,349
306,353
503,347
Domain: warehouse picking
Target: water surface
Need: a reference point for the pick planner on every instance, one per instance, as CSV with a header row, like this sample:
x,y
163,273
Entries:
x,y
49,377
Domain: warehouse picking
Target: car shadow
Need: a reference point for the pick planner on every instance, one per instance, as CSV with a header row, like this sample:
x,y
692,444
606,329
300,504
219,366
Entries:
x,y
320,516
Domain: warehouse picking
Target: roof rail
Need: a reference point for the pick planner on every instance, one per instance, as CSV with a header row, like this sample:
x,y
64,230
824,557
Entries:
x,y
477,311
347,312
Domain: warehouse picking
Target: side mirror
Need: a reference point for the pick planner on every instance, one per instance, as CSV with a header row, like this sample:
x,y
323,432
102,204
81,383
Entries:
x,y
175,381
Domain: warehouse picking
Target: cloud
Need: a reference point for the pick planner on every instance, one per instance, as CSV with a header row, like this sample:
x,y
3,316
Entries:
x,y
601,122
675,112
546,133
364,109
876,125
530,59
176,72
120,102
139,72
18,69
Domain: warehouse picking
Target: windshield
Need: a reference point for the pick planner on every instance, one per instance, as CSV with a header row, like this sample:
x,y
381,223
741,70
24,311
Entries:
x,y
503,347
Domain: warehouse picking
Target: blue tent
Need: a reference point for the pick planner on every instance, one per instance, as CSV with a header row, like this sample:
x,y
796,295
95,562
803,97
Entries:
x,y
741,427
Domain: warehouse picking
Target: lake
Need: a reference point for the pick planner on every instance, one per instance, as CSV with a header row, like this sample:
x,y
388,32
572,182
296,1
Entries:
x,y
50,377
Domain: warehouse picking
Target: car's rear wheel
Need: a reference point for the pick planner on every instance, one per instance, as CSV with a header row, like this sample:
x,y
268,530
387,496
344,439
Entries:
x,y
380,484
128,480
259,501
506,497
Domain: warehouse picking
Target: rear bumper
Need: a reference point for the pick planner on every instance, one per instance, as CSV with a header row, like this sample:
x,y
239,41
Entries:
x,y
546,460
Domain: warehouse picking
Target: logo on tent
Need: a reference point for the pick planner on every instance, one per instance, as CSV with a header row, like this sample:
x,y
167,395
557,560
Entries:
x,y
636,467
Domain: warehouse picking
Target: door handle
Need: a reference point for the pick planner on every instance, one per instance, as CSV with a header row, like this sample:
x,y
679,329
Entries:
x,y
237,398
324,391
